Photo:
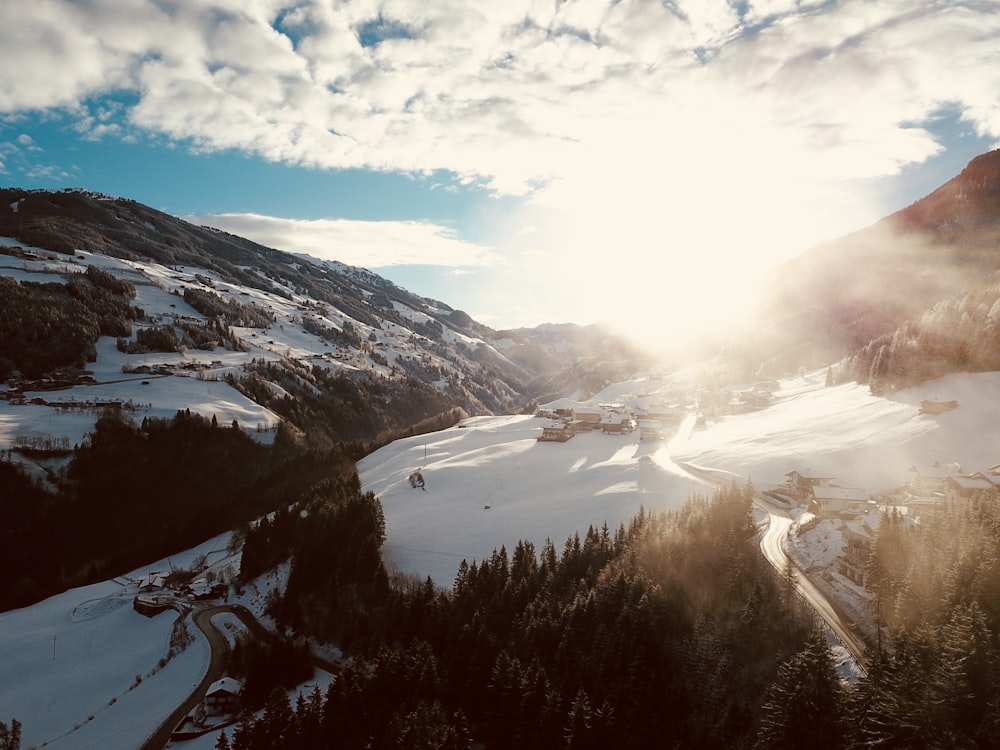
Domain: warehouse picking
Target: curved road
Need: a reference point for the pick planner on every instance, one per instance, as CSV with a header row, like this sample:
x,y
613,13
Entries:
x,y
217,664
771,547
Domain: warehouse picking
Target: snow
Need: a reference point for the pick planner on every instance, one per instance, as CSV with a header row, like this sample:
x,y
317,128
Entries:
x,y
70,662
489,482
534,491
538,490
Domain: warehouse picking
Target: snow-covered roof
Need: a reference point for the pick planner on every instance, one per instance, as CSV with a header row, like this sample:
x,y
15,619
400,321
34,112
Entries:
x,y
225,685
859,528
970,483
807,474
840,493
936,470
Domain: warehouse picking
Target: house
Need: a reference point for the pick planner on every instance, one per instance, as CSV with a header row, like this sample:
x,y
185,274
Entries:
x,y
668,415
859,534
587,418
151,605
800,484
927,479
964,487
151,581
556,433
617,422
223,696
836,500
754,399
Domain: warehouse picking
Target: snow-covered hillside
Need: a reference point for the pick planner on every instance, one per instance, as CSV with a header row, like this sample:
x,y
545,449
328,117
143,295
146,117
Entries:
x,y
533,491
536,490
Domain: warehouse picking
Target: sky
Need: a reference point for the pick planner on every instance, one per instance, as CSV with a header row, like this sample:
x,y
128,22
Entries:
x,y
636,163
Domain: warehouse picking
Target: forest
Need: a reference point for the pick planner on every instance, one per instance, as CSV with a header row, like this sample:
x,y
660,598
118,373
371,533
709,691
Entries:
x,y
960,334
671,631
46,326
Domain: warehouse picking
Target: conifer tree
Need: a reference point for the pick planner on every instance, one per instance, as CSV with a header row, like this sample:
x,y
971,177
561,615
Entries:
x,y
805,705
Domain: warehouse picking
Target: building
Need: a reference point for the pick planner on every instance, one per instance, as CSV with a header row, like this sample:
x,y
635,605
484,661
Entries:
x,y
587,418
152,604
839,500
223,696
859,534
800,484
617,422
964,487
928,479
556,433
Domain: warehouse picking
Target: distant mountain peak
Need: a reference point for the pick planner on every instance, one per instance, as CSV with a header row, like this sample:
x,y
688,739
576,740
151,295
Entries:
x,y
970,198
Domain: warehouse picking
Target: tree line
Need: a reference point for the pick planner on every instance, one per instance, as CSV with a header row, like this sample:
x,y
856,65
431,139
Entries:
x,y
134,492
47,326
960,334
668,629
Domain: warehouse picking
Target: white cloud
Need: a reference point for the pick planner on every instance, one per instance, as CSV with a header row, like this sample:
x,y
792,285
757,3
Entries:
x,y
512,92
679,125
370,244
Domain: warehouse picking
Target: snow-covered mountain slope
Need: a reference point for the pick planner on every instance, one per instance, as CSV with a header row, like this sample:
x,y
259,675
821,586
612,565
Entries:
x,y
311,321
536,490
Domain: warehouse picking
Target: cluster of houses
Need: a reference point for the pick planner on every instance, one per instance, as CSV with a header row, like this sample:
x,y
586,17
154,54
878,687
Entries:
x,y
654,422
929,489
155,596
657,421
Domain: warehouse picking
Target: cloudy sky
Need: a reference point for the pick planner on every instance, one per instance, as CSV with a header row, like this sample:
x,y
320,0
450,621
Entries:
x,y
638,162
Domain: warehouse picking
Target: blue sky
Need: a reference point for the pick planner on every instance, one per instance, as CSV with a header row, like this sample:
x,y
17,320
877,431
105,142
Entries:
x,y
514,160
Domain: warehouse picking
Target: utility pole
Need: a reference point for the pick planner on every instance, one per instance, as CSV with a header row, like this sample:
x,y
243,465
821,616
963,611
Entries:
x,y
53,648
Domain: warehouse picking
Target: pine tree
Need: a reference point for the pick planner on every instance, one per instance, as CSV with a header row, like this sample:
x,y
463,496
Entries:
x,y
805,705
10,736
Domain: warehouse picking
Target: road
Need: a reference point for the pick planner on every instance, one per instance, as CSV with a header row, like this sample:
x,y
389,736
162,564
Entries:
x,y
771,546
218,663
779,523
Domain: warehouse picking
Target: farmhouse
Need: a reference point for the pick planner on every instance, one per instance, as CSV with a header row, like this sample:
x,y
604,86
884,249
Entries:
x,y
152,604
617,422
800,484
838,500
587,418
223,696
556,433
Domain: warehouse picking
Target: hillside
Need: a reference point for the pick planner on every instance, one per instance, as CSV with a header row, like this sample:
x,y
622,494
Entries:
x,y
836,298
535,491
127,336
291,322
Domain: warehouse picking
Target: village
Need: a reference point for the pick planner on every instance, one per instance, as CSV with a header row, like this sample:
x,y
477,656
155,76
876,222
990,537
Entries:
x,y
158,591
857,513
810,496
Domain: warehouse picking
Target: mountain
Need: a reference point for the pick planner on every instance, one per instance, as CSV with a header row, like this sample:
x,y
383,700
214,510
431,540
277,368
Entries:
x,y
345,315
837,298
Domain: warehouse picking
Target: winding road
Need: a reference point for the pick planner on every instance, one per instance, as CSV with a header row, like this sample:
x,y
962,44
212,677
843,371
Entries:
x,y
217,664
771,546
